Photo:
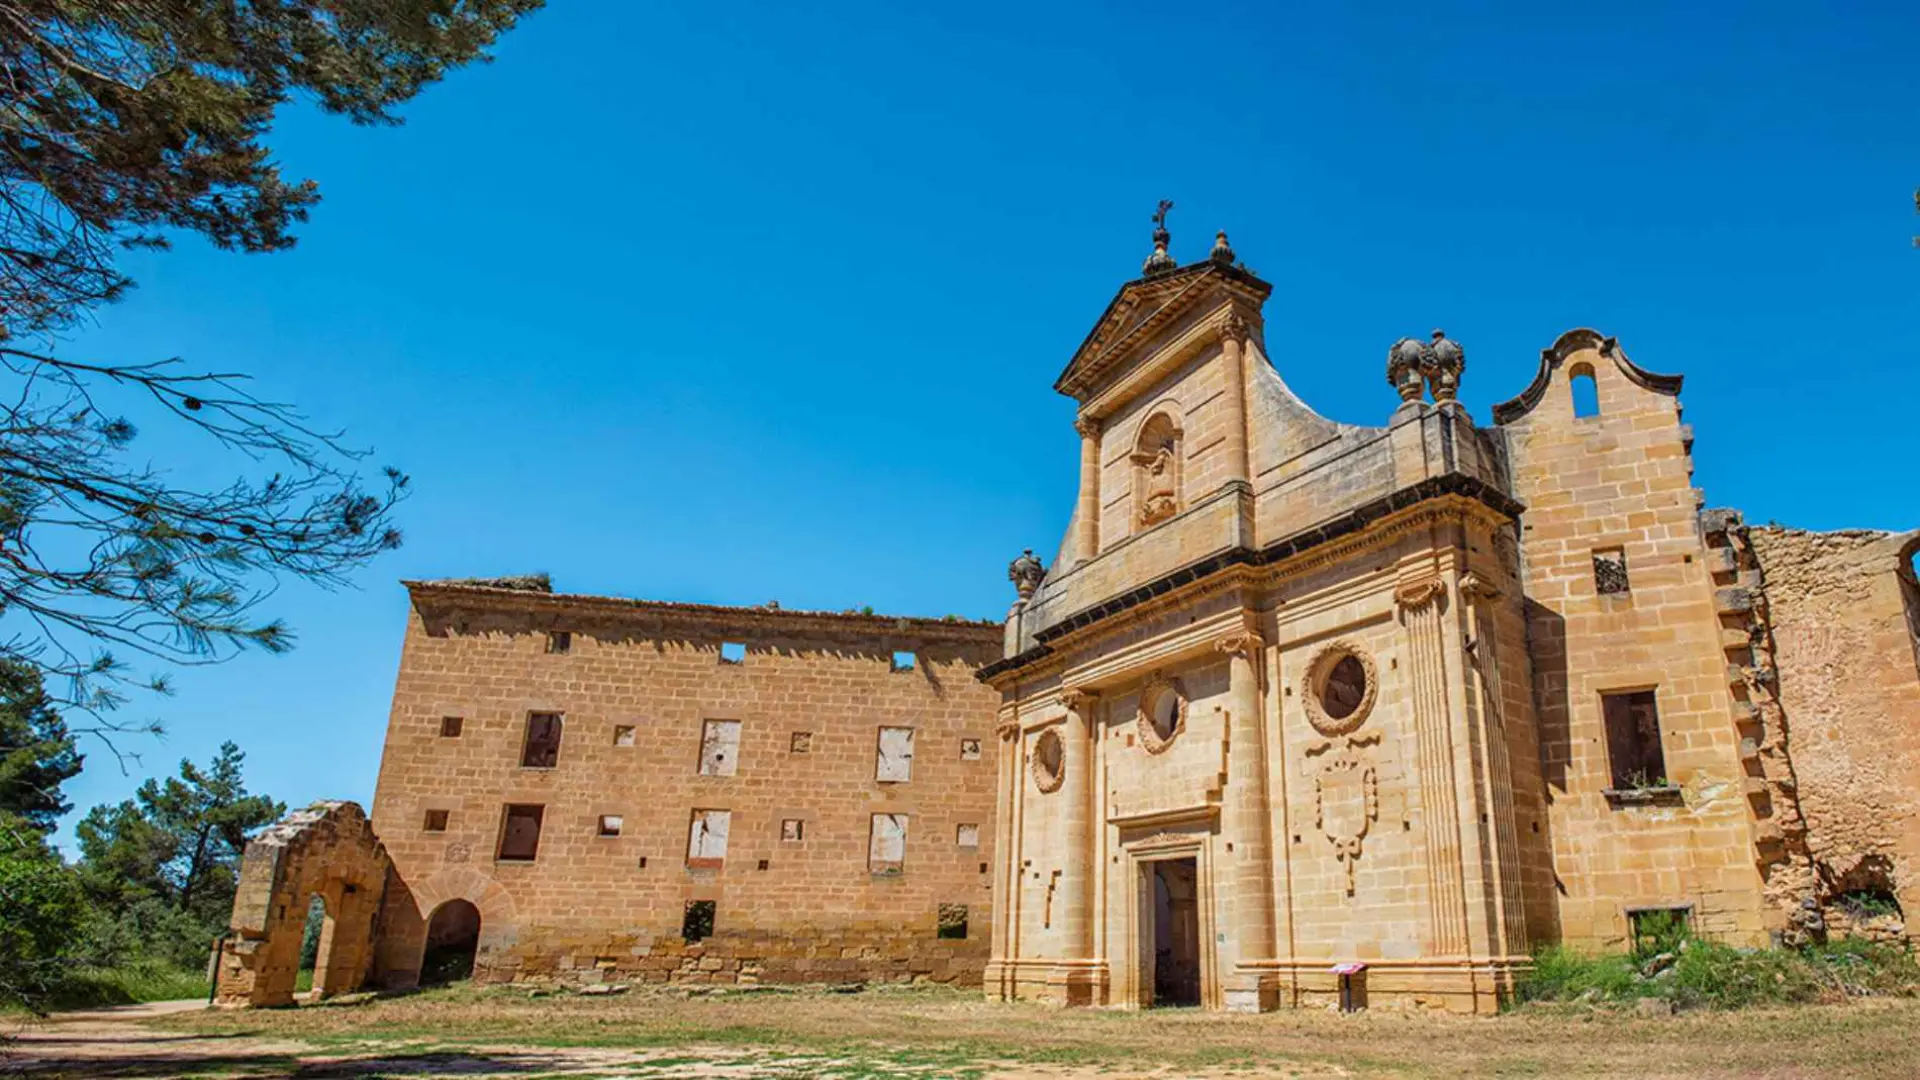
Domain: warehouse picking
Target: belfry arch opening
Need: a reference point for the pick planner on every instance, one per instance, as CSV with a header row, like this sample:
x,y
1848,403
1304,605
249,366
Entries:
x,y
453,938
1586,392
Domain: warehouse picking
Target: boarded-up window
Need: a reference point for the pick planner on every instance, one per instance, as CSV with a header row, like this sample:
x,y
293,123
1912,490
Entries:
x,y
719,747
895,762
1633,740
707,838
520,833
801,742
542,748
967,835
887,847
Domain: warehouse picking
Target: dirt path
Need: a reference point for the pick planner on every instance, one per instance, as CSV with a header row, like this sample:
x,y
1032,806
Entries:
x,y
119,1043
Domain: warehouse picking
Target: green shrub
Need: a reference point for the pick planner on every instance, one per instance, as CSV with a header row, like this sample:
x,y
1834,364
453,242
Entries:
x,y
1696,973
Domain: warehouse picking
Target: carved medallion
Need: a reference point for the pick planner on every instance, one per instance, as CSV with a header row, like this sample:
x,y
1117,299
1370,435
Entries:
x,y
1341,686
1162,714
1049,763
458,852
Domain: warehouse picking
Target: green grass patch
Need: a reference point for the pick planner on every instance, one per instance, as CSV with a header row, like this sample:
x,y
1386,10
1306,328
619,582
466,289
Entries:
x,y
94,987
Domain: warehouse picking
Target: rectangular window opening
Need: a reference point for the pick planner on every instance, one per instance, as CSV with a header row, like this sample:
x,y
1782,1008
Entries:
x,y
520,832
969,749
623,735
953,921
436,821
1659,930
450,726
610,824
793,831
559,641
904,661
887,844
894,763
697,923
967,835
1610,571
707,839
542,748
733,652
719,747
1634,753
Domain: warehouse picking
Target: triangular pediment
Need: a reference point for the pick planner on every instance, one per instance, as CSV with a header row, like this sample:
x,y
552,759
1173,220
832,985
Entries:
x,y
1147,305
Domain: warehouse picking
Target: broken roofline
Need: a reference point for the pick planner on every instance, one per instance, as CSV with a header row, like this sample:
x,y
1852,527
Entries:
x,y
1353,521
743,618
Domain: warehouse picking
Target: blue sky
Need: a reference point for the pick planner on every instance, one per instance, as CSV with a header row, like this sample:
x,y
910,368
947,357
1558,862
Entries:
x,y
745,302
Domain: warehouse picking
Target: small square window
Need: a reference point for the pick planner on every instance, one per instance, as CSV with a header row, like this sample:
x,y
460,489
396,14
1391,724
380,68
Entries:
x,y
904,661
1610,571
623,734
793,830
969,749
801,743
733,652
967,835
559,641
697,923
719,747
436,821
610,824
542,747
953,921
450,726
520,833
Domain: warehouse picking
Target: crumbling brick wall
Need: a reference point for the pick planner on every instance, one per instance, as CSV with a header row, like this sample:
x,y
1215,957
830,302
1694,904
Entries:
x,y
638,686
326,850
1842,615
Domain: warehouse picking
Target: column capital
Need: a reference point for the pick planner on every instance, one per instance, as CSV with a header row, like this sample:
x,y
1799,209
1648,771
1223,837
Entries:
x,y
1419,592
1478,587
1233,327
1077,700
1008,729
1248,642
1087,426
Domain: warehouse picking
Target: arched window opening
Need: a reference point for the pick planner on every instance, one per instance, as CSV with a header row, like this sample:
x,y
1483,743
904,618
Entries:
x,y
453,937
1156,471
1586,392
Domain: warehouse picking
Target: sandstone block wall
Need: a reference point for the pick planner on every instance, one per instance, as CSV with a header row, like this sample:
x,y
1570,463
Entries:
x,y
636,684
1843,610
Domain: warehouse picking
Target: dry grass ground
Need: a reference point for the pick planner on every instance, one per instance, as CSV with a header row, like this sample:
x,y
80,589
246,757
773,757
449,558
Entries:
x,y
938,1033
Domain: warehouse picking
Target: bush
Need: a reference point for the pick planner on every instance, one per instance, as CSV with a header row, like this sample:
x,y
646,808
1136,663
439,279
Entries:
x,y
41,911
1699,974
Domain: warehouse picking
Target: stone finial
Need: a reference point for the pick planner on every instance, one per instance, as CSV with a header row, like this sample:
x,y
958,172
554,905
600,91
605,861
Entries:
x,y
1448,362
1413,365
1160,262
1026,574
1406,360
1222,252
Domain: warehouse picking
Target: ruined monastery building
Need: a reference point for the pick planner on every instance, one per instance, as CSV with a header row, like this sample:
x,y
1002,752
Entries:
x,y
1292,695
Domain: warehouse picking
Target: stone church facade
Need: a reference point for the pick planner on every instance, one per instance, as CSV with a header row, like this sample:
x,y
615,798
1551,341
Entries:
x,y
1413,699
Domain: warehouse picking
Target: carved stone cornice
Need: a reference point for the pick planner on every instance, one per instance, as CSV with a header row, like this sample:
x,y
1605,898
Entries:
x,y
1419,592
1478,588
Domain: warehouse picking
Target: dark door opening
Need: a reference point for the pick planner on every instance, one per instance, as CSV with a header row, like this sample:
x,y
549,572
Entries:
x,y
453,936
1176,932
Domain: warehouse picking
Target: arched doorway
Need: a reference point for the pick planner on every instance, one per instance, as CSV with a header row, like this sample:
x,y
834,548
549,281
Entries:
x,y
453,936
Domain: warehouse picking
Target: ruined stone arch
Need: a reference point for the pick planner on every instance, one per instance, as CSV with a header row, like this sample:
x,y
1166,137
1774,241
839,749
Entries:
x,y
407,916
327,850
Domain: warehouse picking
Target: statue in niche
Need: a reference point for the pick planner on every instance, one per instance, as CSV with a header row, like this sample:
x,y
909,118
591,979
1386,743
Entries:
x,y
1156,464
